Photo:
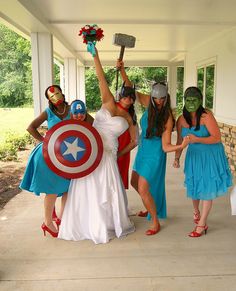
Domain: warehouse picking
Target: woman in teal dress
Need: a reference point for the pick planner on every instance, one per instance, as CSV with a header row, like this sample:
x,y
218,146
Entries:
x,y
148,175
38,178
207,173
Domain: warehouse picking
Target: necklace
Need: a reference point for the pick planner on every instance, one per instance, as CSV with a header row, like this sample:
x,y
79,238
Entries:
x,y
122,107
63,112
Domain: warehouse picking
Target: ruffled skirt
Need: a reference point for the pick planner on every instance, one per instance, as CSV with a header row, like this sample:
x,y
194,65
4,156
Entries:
x,y
207,172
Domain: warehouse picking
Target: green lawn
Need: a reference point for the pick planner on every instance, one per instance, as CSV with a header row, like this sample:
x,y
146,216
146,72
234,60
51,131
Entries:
x,y
15,119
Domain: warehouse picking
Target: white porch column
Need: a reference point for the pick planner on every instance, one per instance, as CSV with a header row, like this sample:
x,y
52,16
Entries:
x,y
70,79
173,84
81,83
61,67
42,68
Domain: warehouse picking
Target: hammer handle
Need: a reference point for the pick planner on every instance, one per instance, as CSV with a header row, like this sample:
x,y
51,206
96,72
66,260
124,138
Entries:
x,y
122,50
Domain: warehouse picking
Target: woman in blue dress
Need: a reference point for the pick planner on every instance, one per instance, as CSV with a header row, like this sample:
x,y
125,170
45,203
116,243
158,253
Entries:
x,y
148,175
38,178
207,173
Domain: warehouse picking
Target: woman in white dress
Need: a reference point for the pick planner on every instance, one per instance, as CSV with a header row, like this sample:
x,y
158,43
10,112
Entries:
x,y
96,207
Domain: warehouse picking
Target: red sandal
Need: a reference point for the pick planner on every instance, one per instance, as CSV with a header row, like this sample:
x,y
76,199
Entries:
x,y
153,231
196,216
142,213
194,233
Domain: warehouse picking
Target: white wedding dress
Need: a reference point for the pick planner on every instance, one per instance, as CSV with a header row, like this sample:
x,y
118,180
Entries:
x,y
96,207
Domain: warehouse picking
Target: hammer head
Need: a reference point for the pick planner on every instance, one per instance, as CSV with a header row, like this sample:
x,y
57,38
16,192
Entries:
x,y
124,40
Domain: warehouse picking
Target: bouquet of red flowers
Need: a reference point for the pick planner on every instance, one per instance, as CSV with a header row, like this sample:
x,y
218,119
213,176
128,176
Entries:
x,y
91,34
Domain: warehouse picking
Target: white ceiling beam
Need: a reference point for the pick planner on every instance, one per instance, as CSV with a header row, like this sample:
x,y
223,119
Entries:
x,y
145,22
138,51
139,63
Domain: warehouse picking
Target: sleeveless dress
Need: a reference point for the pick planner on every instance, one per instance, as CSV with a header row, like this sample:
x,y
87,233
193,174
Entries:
x,y
150,163
207,172
96,207
38,178
124,161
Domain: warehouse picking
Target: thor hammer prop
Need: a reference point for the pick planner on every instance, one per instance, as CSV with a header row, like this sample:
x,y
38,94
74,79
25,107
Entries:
x,y
124,41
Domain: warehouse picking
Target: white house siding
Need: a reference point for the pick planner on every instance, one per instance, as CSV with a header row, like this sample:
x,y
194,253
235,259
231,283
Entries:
x,y
222,50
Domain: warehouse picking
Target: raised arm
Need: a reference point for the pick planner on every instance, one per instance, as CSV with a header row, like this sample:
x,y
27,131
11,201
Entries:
x,y
34,125
106,94
143,99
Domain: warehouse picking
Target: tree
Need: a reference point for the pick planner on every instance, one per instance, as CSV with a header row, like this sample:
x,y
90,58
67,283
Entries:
x,y
15,73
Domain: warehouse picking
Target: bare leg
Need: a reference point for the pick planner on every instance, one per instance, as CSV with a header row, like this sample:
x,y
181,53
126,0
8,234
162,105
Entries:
x,y
134,180
49,203
206,208
63,203
148,201
196,205
196,212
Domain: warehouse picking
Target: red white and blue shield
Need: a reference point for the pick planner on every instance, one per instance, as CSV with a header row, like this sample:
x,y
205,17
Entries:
x,y
72,149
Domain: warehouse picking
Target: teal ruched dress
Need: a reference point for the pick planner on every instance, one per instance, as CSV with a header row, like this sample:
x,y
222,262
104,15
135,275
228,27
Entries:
x,y
150,163
207,172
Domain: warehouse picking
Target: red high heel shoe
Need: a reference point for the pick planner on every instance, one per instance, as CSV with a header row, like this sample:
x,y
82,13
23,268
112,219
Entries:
x,y
142,213
194,233
55,218
58,221
45,228
196,217
54,214
153,231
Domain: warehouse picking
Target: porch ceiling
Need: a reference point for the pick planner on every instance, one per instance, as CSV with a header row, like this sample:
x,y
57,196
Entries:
x,y
164,29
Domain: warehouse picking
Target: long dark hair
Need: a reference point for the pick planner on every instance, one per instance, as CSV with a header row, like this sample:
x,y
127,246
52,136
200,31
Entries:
x,y
129,91
157,120
195,91
51,106
133,114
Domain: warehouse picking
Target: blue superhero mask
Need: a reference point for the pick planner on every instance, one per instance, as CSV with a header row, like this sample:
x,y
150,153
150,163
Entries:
x,y
78,107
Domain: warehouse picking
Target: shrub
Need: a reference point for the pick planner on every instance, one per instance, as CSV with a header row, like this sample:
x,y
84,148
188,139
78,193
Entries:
x,y
12,144
8,152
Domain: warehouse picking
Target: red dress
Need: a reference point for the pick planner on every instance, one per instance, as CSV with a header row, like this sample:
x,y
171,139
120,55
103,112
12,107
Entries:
x,y
123,161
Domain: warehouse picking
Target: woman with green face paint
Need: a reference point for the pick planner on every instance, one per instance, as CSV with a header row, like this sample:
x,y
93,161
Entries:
x,y
207,173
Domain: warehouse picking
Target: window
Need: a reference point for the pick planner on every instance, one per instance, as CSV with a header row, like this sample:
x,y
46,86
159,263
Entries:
x,y
206,83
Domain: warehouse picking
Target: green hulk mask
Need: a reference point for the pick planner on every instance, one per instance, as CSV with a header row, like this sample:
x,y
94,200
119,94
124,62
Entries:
x,y
192,104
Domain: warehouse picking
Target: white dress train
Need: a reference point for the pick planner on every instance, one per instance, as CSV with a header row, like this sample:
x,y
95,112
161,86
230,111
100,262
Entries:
x,y
96,207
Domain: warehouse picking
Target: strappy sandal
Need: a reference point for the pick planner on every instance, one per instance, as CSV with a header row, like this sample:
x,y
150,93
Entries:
x,y
142,213
196,217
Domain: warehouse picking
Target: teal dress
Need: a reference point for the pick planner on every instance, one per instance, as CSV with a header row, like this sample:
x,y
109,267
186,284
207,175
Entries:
x,y
150,163
207,172
38,178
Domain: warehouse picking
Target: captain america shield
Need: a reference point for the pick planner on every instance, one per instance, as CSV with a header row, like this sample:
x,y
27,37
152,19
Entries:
x,y
72,149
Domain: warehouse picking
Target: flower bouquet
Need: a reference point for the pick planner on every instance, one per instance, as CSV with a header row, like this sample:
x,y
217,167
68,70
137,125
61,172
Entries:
x,y
91,34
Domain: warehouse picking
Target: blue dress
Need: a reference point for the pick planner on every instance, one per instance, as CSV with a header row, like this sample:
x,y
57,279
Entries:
x,y
38,178
150,163
207,173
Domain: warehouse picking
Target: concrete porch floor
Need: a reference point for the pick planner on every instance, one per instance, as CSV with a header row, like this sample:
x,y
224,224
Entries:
x,y
167,261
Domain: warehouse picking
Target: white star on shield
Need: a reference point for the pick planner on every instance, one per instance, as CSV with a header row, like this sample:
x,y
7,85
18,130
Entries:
x,y
73,148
